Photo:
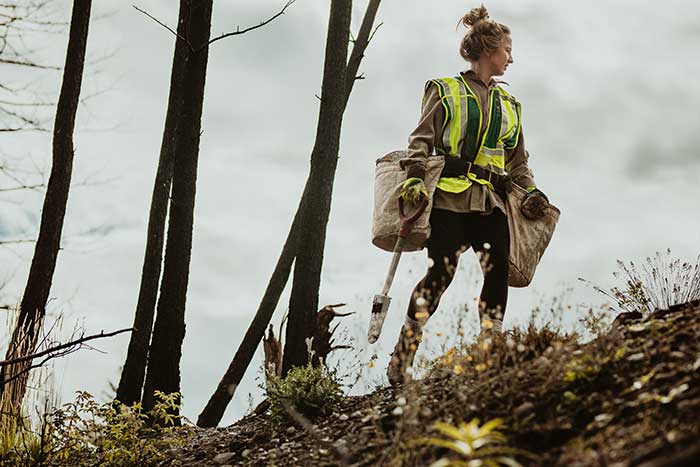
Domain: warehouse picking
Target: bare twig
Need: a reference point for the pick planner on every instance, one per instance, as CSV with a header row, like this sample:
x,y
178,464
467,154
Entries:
x,y
10,242
23,187
23,129
374,32
165,26
28,64
58,348
238,30
28,104
364,37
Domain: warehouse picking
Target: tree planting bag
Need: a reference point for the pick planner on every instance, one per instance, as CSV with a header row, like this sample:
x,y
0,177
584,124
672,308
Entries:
x,y
528,238
389,176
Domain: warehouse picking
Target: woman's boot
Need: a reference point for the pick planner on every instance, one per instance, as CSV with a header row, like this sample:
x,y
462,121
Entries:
x,y
400,365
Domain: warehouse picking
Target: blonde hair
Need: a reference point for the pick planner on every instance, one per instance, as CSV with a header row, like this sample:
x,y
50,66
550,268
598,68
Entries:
x,y
483,34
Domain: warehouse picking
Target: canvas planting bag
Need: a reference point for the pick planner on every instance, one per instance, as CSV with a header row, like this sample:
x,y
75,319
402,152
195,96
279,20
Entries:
x,y
528,238
388,179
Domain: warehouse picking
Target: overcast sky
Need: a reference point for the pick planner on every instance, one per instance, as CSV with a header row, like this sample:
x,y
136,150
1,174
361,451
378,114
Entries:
x,y
610,106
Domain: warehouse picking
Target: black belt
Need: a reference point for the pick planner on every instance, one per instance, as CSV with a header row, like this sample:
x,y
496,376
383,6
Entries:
x,y
456,166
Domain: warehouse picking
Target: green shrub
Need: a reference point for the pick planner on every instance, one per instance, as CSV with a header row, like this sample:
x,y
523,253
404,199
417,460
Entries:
x,y
84,432
311,390
18,443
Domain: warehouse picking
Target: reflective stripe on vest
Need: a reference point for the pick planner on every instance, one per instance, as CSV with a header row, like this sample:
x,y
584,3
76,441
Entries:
x,y
463,121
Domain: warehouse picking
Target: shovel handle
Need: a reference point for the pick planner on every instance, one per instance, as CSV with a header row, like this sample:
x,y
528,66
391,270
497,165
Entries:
x,y
408,221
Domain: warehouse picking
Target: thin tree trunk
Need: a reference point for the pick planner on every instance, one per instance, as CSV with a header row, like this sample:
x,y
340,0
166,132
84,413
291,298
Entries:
x,y
163,371
36,292
358,49
134,371
214,410
315,207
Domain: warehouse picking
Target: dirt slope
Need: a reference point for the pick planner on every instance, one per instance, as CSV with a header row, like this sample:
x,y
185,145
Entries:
x,y
630,397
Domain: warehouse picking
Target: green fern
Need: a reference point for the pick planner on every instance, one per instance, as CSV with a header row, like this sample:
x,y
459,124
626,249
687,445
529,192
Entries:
x,y
478,446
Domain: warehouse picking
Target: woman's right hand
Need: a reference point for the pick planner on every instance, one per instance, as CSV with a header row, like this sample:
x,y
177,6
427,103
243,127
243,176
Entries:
x,y
413,190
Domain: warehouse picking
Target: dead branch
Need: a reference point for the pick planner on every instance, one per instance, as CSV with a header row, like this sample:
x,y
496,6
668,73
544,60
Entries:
x,y
272,348
371,36
238,30
28,64
165,26
23,187
323,344
54,352
15,242
63,347
364,37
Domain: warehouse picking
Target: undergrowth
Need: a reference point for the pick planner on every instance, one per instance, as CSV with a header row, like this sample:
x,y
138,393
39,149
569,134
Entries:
x,y
658,283
87,433
311,390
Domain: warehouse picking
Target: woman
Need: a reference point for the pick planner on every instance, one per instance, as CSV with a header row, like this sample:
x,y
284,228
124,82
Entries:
x,y
475,124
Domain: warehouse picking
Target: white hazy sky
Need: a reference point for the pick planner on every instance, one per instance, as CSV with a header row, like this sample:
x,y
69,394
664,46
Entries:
x,y
610,97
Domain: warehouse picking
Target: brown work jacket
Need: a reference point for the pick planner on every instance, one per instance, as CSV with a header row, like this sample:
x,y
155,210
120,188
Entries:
x,y
421,143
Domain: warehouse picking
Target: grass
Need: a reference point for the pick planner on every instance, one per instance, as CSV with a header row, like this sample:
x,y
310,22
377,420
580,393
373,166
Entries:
x,y
658,283
85,432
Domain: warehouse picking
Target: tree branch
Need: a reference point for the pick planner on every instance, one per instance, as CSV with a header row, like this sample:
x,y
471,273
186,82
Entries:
x,y
22,187
364,37
28,64
68,345
239,32
165,26
10,242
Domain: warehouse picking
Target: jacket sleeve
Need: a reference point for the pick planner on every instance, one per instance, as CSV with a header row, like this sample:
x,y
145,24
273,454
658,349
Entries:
x,y
516,165
421,142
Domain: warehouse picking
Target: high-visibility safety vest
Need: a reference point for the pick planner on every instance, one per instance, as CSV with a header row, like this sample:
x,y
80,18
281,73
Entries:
x,y
463,122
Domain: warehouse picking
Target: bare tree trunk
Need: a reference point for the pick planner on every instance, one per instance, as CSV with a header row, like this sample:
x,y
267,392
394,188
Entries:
x,y
213,412
163,371
36,292
315,207
134,371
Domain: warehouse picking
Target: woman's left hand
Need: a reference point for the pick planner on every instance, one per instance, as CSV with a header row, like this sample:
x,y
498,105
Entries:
x,y
534,205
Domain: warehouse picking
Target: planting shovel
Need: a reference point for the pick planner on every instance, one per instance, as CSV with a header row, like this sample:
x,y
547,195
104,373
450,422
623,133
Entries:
x,y
380,305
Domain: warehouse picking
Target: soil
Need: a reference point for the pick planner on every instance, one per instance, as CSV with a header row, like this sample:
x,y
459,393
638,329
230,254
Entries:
x,y
630,397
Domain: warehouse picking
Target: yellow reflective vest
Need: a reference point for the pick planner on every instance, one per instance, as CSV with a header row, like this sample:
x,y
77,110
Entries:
x,y
463,122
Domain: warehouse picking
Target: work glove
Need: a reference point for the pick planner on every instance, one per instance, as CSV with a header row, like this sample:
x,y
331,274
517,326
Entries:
x,y
534,204
413,190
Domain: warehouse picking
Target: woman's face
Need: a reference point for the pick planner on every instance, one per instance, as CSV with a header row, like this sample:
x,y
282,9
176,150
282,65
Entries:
x,y
499,59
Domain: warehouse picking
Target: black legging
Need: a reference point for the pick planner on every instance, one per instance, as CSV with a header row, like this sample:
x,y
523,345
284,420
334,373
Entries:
x,y
453,233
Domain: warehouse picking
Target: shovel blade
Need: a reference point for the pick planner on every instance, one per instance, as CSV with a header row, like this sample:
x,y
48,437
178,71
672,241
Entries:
x,y
380,306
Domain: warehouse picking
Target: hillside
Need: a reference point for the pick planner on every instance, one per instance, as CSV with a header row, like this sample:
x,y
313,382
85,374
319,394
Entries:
x,y
629,397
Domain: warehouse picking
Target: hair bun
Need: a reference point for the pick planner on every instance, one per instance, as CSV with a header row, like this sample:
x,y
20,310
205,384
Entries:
x,y
474,16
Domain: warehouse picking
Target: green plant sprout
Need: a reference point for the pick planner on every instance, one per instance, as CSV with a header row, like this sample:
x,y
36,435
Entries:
x,y
478,446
